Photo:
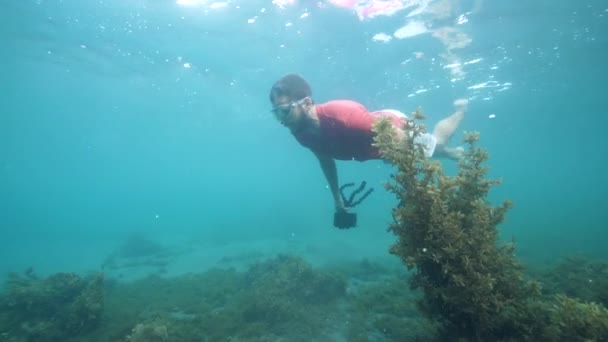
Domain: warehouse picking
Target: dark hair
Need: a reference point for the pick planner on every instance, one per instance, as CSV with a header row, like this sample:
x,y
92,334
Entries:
x,y
293,86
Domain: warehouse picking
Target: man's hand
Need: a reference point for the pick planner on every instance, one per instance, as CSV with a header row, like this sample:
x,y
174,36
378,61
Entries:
x,y
340,207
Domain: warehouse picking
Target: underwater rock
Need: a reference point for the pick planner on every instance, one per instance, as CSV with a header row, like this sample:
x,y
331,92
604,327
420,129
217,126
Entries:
x,y
137,252
138,245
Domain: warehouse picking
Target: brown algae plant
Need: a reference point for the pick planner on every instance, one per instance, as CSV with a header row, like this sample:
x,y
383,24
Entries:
x,y
447,232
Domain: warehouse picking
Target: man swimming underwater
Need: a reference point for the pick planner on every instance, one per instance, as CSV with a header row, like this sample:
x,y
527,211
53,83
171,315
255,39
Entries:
x,y
342,130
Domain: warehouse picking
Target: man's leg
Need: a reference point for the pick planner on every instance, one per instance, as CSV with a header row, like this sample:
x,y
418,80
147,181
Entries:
x,y
454,153
445,129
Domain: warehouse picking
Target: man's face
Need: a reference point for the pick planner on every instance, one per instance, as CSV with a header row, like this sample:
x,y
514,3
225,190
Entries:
x,y
289,113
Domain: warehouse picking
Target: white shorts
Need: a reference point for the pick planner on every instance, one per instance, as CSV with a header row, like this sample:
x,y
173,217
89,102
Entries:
x,y
426,139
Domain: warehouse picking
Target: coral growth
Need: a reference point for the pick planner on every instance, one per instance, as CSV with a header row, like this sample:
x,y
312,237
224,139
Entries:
x,y
148,332
447,232
287,289
386,311
280,298
54,308
579,277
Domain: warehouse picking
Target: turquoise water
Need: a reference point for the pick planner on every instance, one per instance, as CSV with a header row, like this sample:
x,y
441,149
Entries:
x,y
151,117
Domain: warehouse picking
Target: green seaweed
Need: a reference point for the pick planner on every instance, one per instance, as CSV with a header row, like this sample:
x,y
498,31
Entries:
x,y
447,234
283,298
50,309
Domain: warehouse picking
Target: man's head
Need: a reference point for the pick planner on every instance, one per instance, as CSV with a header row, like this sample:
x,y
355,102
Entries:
x,y
291,99
292,86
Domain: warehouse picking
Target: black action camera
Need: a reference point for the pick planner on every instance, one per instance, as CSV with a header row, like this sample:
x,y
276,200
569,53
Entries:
x,y
344,220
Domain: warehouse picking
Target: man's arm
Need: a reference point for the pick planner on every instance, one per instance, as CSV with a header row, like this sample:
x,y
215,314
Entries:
x,y
328,165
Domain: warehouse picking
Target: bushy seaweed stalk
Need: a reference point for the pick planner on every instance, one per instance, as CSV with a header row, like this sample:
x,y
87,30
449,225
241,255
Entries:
x,y
447,232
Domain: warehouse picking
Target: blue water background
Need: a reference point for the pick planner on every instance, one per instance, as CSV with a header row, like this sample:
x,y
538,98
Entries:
x,y
146,116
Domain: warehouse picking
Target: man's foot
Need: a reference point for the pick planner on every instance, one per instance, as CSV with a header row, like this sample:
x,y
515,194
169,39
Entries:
x,y
446,128
461,105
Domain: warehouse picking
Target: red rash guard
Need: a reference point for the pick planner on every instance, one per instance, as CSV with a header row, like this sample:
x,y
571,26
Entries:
x,y
345,131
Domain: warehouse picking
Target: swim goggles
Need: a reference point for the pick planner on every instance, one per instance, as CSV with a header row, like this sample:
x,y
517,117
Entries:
x,y
284,110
